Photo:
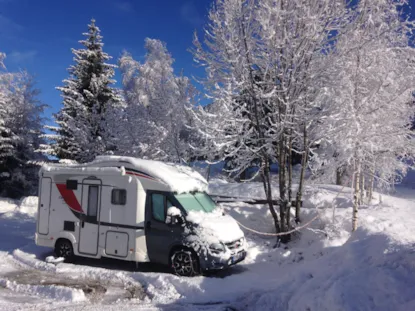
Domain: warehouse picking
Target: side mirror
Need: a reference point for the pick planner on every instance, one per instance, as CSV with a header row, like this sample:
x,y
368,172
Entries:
x,y
174,216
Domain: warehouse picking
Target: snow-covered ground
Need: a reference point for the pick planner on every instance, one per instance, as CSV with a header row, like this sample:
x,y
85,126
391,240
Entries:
x,y
324,268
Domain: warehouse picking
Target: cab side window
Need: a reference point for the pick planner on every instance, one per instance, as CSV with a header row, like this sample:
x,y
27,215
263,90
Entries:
x,y
157,207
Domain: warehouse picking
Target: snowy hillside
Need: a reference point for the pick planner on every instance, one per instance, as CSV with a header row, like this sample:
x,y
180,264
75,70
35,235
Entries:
x,y
325,268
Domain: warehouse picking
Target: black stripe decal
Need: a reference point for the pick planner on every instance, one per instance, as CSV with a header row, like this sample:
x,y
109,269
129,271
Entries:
x,y
110,224
136,171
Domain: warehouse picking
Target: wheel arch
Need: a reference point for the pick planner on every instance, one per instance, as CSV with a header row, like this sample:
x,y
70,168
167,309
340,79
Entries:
x,y
182,247
66,236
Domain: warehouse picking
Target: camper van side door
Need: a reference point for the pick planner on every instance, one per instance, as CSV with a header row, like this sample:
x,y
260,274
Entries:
x,y
89,225
160,237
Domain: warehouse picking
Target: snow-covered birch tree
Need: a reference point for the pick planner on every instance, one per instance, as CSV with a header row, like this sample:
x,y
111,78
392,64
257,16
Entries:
x,y
155,115
295,35
258,57
231,54
368,116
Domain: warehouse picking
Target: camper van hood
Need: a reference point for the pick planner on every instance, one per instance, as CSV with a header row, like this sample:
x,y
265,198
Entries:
x,y
215,226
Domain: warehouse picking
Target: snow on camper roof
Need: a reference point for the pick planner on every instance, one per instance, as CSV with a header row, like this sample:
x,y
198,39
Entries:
x,y
81,169
179,178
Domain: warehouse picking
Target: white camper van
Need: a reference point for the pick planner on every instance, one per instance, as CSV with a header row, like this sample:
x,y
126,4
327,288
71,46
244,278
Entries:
x,y
135,210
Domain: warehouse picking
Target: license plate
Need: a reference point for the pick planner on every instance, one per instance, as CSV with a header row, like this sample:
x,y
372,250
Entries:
x,y
237,257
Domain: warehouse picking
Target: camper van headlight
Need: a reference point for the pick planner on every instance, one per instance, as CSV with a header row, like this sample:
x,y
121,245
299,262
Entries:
x,y
217,248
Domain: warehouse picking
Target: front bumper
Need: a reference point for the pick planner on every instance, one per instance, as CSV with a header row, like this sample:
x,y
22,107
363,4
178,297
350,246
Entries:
x,y
218,262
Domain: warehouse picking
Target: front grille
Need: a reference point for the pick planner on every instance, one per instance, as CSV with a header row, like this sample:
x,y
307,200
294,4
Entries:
x,y
235,244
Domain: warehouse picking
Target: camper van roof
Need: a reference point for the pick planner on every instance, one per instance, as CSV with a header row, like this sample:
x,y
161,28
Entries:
x,y
179,178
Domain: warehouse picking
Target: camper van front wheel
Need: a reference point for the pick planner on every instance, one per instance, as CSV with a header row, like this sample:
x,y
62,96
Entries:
x,y
63,248
185,263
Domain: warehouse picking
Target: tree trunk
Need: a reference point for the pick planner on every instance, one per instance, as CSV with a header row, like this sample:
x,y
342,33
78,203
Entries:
x,y
266,181
304,163
371,184
290,181
283,188
339,175
356,197
208,173
242,176
362,187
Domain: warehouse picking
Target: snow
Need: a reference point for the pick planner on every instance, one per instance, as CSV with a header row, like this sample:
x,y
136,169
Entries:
x,y
81,169
326,267
28,205
173,211
53,259
179,178
52,292
215,227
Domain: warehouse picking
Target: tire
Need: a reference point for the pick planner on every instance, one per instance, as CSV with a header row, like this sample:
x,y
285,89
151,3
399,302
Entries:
x,y
184,262
64,248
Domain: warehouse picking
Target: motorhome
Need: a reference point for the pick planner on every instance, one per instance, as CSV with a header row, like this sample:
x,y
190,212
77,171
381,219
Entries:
x,y
135,210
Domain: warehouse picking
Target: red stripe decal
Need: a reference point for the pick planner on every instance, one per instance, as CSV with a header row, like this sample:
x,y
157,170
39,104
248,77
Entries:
x,y
70,198
140,175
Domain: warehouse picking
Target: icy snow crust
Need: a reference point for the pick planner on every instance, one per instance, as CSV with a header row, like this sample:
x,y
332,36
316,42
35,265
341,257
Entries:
x,y
178,178
328,268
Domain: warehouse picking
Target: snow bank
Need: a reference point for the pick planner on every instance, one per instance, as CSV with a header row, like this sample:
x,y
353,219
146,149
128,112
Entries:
x,y
366,273
54,260
46,291
179,178
7,205
31,261
325,268
28,205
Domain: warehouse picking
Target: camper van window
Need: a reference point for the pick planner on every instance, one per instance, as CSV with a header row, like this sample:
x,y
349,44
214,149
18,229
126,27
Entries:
x,y
206,201
92,201
199,202
157,206
119,196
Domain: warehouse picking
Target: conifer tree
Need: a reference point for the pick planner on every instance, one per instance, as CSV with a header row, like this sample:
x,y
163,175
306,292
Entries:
x,y
21,133
87,96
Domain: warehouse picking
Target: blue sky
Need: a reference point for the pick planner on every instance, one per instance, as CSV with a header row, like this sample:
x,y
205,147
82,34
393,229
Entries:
x,y
38,35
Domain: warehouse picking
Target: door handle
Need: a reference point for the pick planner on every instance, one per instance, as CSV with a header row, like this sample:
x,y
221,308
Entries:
x,y
148,225
82,224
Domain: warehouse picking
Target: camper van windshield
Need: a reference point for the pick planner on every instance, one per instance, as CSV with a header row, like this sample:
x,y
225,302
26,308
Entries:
x,y
198,201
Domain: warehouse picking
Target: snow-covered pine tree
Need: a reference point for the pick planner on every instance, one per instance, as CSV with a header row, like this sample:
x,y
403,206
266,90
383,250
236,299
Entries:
x,y
24,125
7,80
83,131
